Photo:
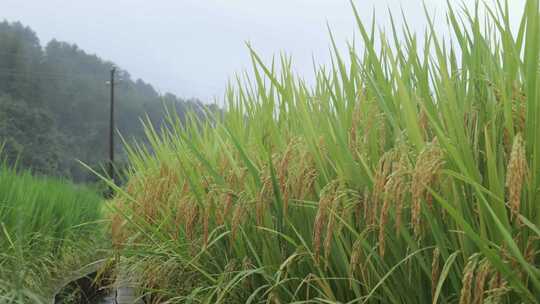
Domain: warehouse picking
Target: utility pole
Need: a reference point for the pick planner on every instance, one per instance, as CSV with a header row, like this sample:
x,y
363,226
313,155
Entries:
x,y
111,128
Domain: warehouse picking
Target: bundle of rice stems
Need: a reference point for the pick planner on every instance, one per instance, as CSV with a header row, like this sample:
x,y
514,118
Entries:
x,y
48,229
406,174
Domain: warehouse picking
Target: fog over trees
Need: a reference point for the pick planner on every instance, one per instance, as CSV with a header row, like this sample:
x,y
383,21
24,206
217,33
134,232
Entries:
x,y
54,104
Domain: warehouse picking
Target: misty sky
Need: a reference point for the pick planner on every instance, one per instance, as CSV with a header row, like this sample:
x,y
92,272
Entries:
x,y
191,47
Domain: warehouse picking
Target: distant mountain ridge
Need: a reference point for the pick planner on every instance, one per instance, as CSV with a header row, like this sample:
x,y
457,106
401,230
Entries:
x,y
54,104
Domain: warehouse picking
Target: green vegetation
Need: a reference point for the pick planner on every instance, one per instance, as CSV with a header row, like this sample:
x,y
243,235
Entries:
x,y
48,228
407,174
54,105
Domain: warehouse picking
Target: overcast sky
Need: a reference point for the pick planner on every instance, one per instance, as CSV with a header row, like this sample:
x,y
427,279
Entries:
x,y
192,47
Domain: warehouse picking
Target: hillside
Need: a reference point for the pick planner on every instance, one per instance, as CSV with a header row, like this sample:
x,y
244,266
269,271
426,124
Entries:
x,y
54,104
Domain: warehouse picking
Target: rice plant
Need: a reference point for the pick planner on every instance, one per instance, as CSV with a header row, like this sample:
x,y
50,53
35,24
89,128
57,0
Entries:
x,y
48,228
407,173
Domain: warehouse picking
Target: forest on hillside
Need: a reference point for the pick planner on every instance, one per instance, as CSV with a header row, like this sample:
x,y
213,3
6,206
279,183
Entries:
x,y
54,105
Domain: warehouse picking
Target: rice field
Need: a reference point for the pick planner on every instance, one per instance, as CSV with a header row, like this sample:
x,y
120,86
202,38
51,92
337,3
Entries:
x,y
408,173
48,228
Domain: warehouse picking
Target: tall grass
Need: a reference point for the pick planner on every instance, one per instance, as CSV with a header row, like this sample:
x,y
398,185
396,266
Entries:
x,y
406,174
47,229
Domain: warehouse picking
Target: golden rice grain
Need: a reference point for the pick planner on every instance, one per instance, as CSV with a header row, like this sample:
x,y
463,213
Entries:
x,y
191,220
428,164
382,224
237,218
206,223
515,175
329,235
481,276
468,275
327,197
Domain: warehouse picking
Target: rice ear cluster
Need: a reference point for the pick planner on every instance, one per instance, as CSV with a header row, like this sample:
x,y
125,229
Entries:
x,y
283,176
237,217
356,255
482,274
191,219
355,124
496,288
398,185
515,175
334,210
467,281
384,169
326,201
519,103
423,122
365,202
428,164
383,221
305,173
530,250
263,198
206,224
308,179
387,185
225,210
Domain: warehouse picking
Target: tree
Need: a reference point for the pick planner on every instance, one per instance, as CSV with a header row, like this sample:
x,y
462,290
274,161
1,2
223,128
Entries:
x,y
54,108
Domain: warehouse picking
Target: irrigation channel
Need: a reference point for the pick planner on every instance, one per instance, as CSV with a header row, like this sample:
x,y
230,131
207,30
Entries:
x,y
92,286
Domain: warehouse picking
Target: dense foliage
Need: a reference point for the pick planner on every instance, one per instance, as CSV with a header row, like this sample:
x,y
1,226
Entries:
x,y
54,104
409,174
48,228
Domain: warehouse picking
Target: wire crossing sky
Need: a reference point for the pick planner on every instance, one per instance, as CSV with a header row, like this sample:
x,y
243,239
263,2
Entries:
x,y
192,47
